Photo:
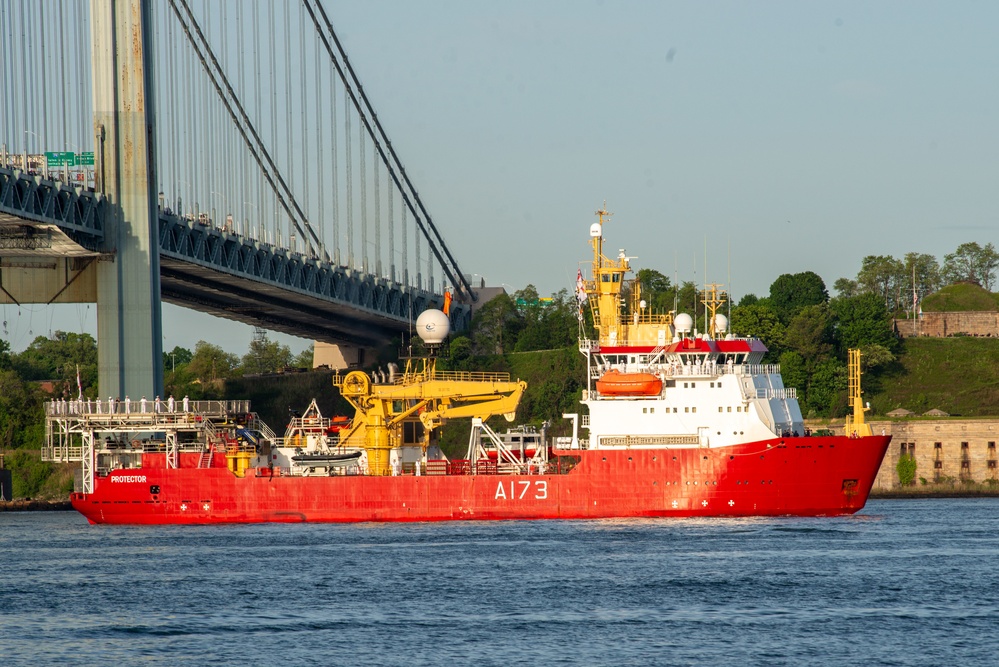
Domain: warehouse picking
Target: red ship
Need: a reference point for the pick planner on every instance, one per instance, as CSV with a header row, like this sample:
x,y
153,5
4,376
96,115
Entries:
x,y
677,423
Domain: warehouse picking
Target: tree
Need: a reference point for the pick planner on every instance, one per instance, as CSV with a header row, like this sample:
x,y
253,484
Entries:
x,y
657,291
211,363
57,358
923,271
846,287
748,300
882,275
547,324
792,292
178,356
304,359
684,298
21,419
863,320
973,263
266,356
810,334
459,351
759,321
495,326
826,387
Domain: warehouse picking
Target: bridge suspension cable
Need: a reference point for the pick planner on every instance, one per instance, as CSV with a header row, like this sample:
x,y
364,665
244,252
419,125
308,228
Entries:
x,y
244,125
379,137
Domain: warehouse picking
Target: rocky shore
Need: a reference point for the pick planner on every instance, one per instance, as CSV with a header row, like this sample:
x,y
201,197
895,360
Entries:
x,y
30,505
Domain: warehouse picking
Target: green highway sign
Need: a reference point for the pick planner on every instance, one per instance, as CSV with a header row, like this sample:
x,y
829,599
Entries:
x,y
85,160
65,159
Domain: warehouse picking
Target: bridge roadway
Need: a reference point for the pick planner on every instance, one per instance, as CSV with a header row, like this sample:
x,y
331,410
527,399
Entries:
x,y
217,271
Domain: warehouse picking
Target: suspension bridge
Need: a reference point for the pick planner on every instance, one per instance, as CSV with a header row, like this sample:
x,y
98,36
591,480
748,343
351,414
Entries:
x,y
220,156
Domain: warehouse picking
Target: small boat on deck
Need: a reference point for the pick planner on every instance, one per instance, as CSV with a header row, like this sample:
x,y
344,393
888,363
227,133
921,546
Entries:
x,y
327,460
616,383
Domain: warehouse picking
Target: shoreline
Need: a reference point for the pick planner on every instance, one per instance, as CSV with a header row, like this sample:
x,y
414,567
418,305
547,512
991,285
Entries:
x,y
29,505
902,494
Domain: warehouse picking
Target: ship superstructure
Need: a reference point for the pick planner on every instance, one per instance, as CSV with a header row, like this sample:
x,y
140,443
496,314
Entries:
x,y
654,380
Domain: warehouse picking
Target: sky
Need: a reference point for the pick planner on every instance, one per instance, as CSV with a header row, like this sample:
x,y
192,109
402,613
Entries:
x,y
732,141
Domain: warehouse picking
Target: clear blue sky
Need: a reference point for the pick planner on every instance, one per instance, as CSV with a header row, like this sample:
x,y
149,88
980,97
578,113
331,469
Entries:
x,y
781,136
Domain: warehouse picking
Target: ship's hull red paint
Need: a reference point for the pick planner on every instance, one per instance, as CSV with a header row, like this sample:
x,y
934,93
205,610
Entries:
x,y
808,476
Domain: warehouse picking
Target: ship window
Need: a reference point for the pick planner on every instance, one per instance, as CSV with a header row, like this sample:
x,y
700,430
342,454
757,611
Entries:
x,y
729,409
694,409
617,277
605,278
644,410
674,410
721,409
687,409
992,463
712,385
938,464
992,445
937,445
964,445
652,411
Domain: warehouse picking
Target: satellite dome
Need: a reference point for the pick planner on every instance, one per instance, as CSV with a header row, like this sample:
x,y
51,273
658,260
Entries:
x,y
433,326
595,230
683,323
721,322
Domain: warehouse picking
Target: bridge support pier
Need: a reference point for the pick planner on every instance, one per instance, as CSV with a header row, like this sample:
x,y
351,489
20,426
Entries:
x,y
337,357
129,320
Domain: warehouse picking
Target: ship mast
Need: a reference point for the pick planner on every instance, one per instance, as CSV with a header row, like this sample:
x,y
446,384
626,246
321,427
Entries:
x,y
608,281
713,299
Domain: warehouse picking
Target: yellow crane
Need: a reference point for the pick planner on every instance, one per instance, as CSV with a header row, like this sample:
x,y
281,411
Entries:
x,y
855,424
408,410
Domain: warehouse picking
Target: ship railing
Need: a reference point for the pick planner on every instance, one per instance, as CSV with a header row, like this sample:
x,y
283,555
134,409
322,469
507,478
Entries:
x,y
149,409
469,376
303,471
757,369
309,423
446,376
787,393
465,467
588,345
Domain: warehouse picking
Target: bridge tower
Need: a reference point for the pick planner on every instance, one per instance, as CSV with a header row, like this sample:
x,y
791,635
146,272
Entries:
x,y
129,319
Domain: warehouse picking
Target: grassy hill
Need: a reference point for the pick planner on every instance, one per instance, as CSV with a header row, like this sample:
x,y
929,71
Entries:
x,y
961,297
957,375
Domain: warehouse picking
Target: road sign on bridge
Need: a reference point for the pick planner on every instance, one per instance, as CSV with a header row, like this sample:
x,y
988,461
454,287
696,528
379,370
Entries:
x,y
60,159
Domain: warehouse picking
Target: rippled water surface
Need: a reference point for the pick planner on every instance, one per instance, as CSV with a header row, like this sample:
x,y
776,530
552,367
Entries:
x,y
908,582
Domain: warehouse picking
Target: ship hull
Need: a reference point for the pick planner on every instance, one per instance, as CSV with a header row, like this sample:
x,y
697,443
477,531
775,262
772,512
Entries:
x,y
807,476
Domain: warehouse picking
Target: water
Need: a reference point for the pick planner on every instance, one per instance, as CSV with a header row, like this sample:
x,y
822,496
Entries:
x,y
910,582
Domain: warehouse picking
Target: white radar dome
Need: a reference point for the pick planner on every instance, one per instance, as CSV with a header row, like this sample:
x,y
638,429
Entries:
x,y
683,323
595,230
721,323
433,326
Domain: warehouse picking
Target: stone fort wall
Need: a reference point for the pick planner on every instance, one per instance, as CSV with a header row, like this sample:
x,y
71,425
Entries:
x,y
941,325
945,449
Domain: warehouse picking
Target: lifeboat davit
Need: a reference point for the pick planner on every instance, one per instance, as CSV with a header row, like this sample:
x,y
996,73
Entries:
x,y
616,383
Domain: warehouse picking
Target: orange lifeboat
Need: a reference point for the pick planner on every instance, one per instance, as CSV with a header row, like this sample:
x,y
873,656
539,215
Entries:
x,y
616,383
